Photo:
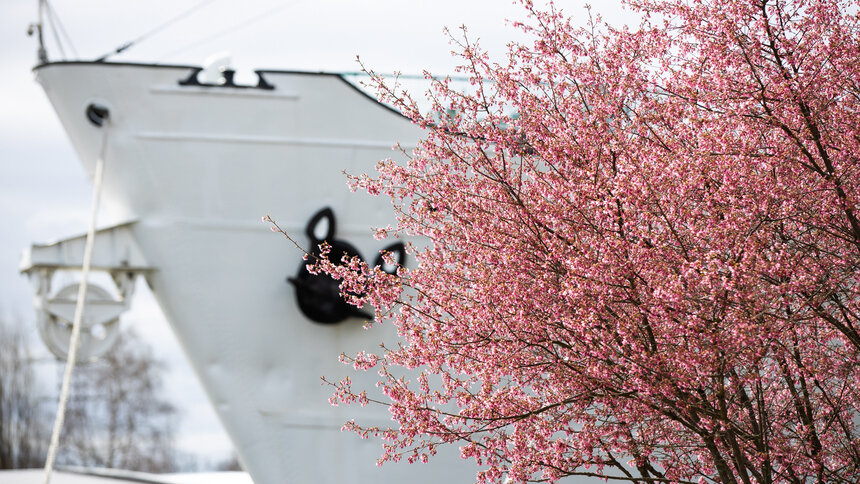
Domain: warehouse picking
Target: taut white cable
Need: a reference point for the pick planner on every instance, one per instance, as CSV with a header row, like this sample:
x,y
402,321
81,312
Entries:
x,y
79,309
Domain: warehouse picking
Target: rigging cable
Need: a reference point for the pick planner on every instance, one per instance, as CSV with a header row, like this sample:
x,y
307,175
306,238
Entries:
x,y
58,29
54,30
230,30
54,22
155,30
79,309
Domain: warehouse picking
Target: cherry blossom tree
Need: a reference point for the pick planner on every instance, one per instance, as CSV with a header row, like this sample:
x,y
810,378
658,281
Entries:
x,y
637,251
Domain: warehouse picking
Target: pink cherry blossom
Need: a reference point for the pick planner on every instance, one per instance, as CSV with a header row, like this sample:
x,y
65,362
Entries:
x,y
637,251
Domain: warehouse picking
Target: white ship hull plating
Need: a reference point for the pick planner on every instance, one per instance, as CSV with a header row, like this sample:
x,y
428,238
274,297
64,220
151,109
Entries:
x,y
196,167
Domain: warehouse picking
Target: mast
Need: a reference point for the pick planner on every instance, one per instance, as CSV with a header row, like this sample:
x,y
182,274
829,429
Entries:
x,y
36,28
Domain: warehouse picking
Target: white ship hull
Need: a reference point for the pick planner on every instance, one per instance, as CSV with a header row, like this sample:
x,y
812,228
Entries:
x,y
195,168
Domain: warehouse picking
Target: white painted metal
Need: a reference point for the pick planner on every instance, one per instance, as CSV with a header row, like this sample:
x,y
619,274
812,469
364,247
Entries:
x,y
114,252
197,167
99,324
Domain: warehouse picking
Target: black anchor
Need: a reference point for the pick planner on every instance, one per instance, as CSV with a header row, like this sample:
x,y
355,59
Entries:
x,y
319,295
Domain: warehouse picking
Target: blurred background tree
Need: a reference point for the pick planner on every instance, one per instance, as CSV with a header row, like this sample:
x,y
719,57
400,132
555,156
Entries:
x,y
24,429
117,417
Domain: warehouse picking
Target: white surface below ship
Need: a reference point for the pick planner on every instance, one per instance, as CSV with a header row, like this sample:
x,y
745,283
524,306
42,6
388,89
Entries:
x,y
190,168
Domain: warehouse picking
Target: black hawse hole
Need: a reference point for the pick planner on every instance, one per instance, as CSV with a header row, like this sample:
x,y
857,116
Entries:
x,y
399,251
318,295
97,114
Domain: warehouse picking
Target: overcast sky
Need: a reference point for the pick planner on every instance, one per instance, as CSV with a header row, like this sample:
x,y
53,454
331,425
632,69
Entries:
x,y
44,194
